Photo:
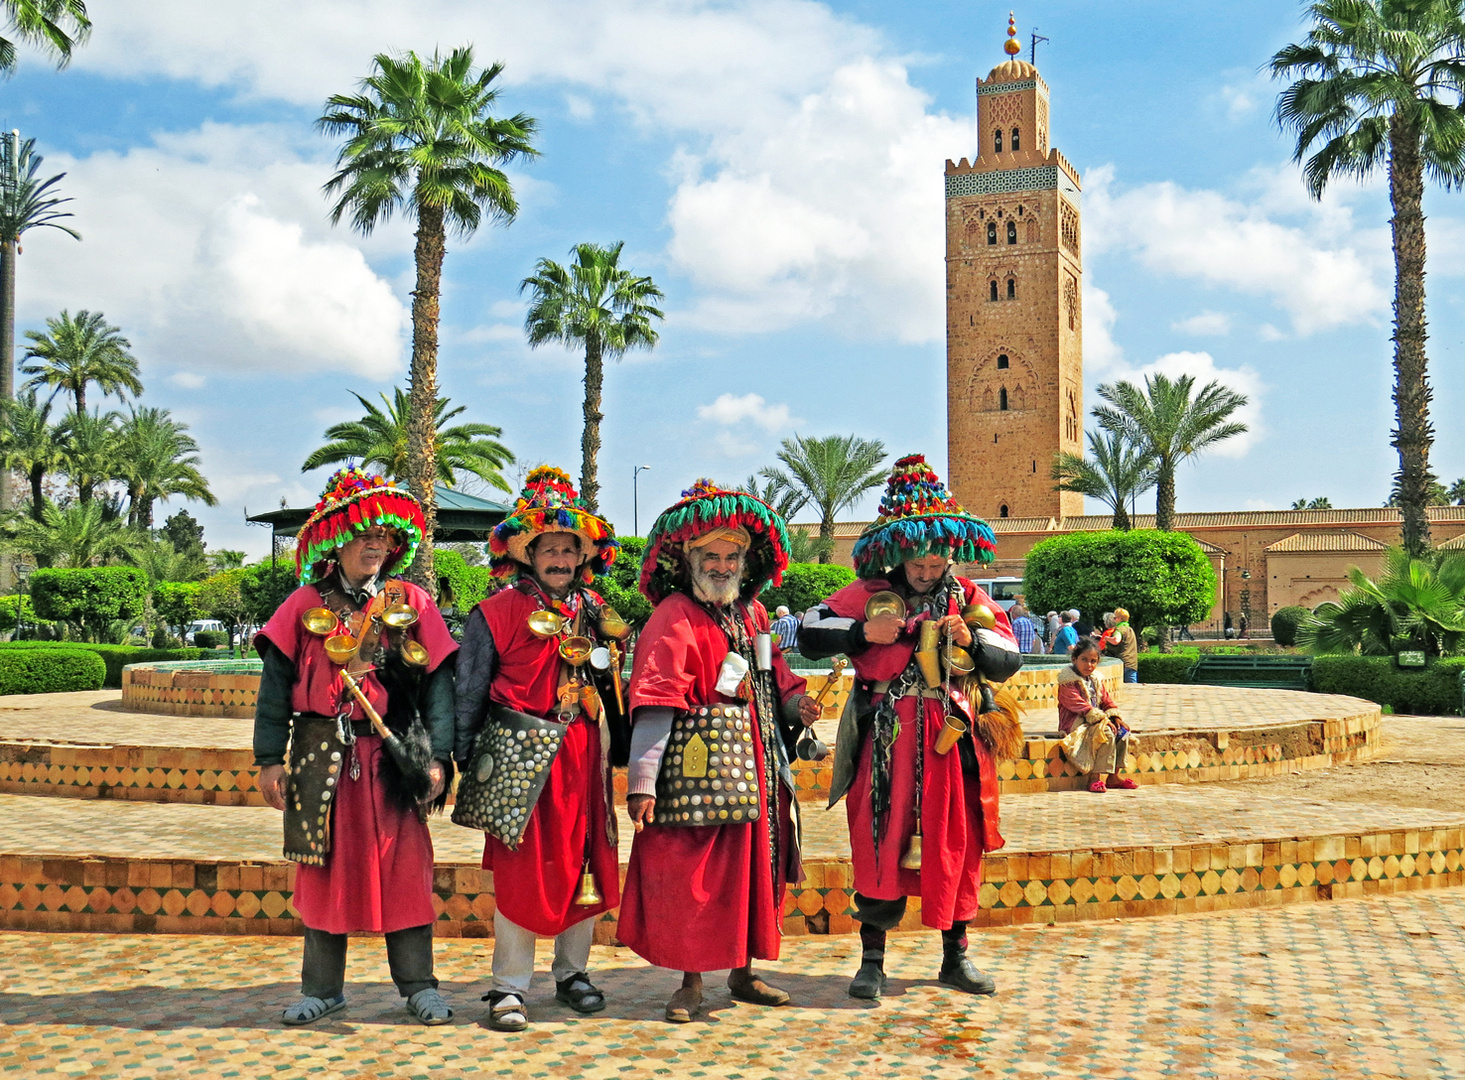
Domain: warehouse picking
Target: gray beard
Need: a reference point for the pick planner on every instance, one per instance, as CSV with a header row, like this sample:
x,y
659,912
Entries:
x,y
711,591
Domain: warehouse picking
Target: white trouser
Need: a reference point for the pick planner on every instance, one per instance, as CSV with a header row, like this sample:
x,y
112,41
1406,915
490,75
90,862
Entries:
x,y
513,953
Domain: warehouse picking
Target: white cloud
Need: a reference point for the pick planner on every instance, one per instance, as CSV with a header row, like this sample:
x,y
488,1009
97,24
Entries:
x,y
1319,268
1101,353
1205,324
1203,368
188,380
731,411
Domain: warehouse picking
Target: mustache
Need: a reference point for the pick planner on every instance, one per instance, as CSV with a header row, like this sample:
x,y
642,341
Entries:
x,y
559,570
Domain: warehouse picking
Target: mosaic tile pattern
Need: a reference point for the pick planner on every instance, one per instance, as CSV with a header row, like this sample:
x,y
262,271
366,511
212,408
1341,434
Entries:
x,y
182,692
1370,988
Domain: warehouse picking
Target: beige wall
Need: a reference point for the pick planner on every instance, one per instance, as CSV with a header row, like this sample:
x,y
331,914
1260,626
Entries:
x,y
1309,578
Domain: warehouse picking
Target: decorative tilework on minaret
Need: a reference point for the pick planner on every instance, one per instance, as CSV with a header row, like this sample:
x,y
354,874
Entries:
x,y
1014,327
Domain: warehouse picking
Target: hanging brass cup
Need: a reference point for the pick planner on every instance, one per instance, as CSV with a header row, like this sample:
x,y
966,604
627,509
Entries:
x,y
576,650
612,625
884,603
927,654
320,621
415,653
952,730
979,615
958,661
399,616
589,895
547,624
341,648
911,860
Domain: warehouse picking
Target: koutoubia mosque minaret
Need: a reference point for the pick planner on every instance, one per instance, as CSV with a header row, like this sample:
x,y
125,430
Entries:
x,y
1014,321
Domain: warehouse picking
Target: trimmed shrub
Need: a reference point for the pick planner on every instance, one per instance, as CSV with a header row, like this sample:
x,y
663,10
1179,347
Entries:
x,y
265,588
459,586
1161,578
93,597
50,671
1171,667
1430,691
210,639
176,602
806,584
114,657
1285,623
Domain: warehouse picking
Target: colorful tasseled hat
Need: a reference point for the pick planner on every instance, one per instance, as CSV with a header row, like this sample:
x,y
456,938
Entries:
x,y
704,507
919,517
355,500
549,504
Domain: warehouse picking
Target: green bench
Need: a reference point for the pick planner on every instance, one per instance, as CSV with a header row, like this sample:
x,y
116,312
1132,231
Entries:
x,y
1271,672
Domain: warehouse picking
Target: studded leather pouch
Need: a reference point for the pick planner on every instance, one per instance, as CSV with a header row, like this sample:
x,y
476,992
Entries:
x,y
708,773
318,757
508,769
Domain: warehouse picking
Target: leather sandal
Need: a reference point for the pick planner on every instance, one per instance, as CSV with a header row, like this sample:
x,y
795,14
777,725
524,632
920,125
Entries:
x,y
684,1005
506,1011
579,993
310,1009
1098,787
429,1006
754,991
1124,783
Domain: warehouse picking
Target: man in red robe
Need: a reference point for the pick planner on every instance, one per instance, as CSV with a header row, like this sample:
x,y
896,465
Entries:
x,y
716,842
550,547
352,818
901,786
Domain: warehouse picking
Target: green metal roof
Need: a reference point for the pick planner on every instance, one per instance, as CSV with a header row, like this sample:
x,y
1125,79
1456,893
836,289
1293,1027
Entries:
x,y
461,518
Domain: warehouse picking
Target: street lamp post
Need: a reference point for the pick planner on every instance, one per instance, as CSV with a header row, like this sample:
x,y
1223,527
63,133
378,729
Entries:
x,y
635,499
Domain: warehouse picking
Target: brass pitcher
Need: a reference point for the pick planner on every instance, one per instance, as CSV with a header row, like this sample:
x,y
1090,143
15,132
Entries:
x,y
589,895
927,654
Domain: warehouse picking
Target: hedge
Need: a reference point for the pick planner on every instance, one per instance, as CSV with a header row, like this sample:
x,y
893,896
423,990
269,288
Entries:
x,y
114,657
1431,691
806,584
1285,623
1171,667
92,597
460,586
50,671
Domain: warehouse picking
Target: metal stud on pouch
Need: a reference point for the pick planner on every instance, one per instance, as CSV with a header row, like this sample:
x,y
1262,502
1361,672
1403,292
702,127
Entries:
x,y
589,895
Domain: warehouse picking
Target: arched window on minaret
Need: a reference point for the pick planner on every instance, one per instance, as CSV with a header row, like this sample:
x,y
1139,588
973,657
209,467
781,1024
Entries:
x,y
1002,399
1034,235
1016,141
993,285
1002,510
1011,231
1002,362
1012,288
991,232
997,141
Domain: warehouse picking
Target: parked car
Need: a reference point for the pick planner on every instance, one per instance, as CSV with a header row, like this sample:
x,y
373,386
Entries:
x,y
211,625
1005,590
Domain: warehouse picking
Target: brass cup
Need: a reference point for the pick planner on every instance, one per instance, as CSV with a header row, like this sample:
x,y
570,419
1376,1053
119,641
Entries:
x,y
958,660
884,603
546,624
979,615
341,648
399,616
414,653
320,621
927,654
954,728
911,860
612,625
576,650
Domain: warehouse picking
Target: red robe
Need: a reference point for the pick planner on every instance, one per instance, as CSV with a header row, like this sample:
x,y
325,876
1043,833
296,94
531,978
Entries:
x,y
378,875
704,898
535,885
959,819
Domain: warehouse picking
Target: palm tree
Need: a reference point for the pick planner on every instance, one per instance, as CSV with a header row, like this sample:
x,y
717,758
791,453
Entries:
x,y
79,535
1379,81
596,305
1322,502
29,444
1116,472
157,459
787,501
77,351
90,450
55,26
420,138
1165,422
1455,493
380,439
160,561
831,473
1415,603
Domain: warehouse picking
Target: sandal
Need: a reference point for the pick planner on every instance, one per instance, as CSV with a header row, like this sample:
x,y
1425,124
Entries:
x,y
579,993
310,1009
683,1005
506,1011
1124,783
429,1007
1097,787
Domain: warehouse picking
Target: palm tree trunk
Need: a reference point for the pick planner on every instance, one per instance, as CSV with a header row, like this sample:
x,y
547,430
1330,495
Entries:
x,y
590,438
7,346
1165,496
1413,434
826,534
1121,517
421,450
81,398
38,499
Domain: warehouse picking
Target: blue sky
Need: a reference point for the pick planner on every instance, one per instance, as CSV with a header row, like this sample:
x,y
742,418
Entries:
x,y
776,167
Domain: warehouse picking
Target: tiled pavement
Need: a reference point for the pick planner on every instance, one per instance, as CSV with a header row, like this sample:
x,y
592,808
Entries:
x,y
1356,989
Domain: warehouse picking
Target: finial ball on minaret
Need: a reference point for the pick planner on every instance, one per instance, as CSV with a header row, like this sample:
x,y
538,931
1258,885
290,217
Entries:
x,y
1011,45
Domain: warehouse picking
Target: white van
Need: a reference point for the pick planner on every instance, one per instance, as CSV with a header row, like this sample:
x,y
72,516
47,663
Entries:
x,y
1004,590
211,625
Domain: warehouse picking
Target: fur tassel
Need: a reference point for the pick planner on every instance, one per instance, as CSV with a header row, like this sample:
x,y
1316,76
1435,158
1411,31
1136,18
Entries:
x,y
1002,730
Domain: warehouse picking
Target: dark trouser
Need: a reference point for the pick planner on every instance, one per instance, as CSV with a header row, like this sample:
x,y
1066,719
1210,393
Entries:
x,y
879,914
409,954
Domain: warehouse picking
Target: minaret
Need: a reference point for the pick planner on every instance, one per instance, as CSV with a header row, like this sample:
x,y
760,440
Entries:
x,y
1014,325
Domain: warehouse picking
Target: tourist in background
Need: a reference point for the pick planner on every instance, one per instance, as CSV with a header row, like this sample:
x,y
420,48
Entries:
x,y
1023,629
355,816
1066,637
1050,630
785,628
1096,739
1122,642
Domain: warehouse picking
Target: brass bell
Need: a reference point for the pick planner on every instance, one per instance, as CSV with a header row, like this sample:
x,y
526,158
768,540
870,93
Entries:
x,y
546,624
414,653
320,621
576,650
911,860
883,603
399,616
612,625
979,615
341,648
589,895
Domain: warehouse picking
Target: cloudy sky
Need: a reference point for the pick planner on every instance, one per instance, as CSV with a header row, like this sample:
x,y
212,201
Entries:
x,y
776,166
